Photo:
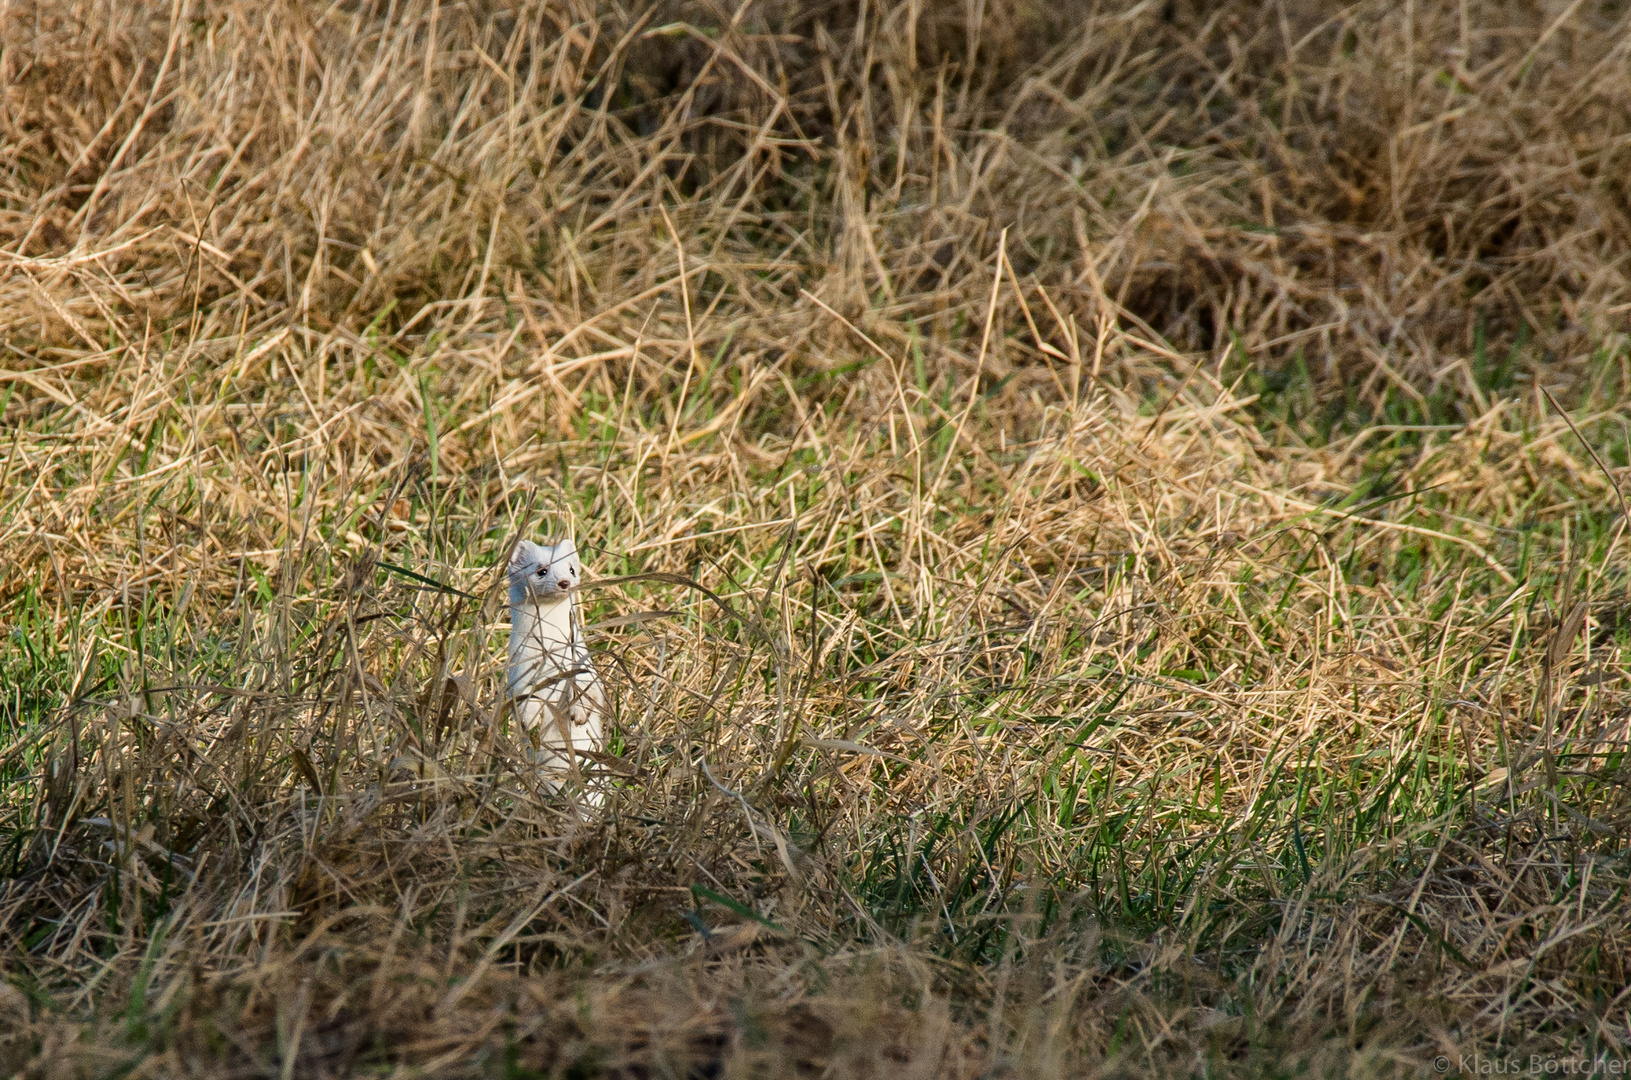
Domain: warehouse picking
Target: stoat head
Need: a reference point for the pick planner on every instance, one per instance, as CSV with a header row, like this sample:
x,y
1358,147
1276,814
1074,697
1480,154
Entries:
x,y
544,573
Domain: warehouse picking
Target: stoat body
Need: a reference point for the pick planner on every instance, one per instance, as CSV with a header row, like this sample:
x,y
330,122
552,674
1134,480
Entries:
x,y
558,697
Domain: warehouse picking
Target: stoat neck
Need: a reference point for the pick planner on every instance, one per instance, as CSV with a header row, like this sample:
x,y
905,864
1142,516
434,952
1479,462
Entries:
x,y
543,625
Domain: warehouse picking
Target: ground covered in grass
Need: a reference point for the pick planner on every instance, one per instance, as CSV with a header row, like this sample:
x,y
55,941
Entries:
x,y
1104,530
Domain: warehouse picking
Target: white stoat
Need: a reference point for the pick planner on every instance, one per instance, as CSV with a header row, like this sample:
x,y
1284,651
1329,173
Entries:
x,y
558,697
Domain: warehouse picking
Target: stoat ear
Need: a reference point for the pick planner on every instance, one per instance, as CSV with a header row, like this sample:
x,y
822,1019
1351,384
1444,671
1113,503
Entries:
x,y
566,549
525,554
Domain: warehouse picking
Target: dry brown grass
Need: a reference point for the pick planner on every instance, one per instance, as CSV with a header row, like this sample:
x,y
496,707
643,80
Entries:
x,y
1106,588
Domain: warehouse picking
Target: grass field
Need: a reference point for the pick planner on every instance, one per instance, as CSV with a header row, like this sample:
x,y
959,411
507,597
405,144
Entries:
x,y
1104,528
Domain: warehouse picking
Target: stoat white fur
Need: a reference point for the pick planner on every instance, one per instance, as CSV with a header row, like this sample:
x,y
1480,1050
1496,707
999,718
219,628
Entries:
x,y
558,697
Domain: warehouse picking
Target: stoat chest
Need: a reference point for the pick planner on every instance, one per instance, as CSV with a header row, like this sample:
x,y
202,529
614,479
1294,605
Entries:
x,y
543,641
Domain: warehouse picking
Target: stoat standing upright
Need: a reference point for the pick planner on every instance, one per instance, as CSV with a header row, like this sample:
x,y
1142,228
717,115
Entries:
x,y
557,696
